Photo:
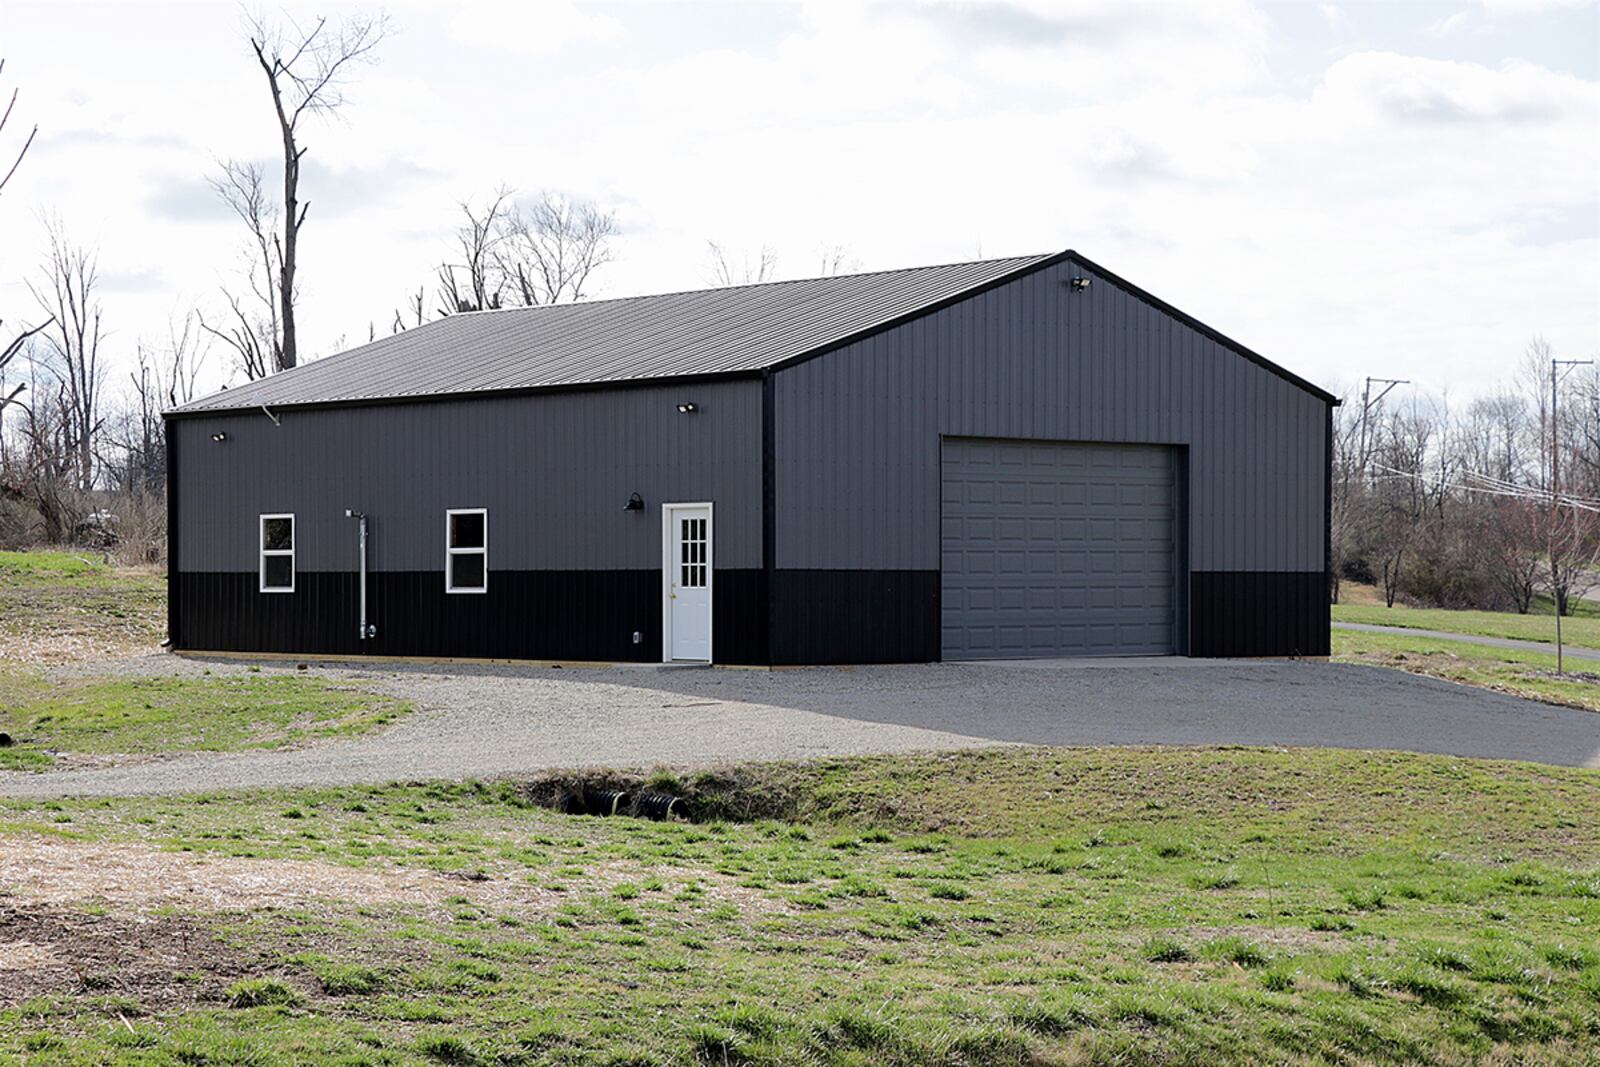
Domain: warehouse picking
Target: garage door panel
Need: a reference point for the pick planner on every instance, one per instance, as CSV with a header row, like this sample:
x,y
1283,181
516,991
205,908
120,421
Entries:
x,y
1057,549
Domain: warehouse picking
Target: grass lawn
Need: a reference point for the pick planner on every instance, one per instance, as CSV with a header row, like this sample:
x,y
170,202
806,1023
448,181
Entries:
x,y
1581,631
1514,671
153,715
57,607
62,607
1021,906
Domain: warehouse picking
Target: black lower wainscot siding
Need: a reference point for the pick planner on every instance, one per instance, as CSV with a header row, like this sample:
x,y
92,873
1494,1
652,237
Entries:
x,y
849,616
1248,613
559,615
817,616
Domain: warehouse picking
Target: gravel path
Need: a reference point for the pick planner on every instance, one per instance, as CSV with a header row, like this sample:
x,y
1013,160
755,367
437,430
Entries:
x,y
1547,647
481,720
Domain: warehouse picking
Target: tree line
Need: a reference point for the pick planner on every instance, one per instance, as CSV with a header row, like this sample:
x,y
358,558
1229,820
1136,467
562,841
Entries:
x,y
82,446
1493,505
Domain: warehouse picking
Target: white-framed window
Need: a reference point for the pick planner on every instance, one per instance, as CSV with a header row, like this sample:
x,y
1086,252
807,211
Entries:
x,y
466,550
277,553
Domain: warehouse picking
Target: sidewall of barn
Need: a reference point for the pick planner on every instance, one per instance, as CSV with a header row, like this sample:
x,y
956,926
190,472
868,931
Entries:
x,y
572,575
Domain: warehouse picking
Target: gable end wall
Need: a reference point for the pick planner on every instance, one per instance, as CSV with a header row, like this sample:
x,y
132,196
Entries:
x,y
857,460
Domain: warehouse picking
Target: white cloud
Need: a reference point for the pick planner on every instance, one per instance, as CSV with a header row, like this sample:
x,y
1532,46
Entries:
x,y
1449,24
532,27
1415,89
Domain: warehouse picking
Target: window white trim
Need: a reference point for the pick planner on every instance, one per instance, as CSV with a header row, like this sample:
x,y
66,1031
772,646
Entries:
x,y
451,553
263,552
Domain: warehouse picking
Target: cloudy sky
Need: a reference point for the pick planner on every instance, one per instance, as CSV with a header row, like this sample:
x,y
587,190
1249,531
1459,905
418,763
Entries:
x,y
1386,188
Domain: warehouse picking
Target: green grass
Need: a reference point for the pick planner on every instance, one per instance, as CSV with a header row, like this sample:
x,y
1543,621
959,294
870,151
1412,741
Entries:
x,y
50,567
57,606
1582,631
1515,671
170,714
63,607
1022,906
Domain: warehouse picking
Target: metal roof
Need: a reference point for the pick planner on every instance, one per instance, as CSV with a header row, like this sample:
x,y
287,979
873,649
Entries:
x,y
743,328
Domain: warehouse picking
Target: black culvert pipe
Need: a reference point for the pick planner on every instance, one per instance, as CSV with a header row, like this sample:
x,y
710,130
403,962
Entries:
x,y
604,801
658,805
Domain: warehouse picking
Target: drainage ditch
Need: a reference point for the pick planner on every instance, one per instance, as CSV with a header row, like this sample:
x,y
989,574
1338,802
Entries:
x,y
735,795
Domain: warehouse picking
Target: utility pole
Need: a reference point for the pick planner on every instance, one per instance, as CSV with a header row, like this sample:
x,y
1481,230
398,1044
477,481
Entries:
x,y
1555,490
1368,401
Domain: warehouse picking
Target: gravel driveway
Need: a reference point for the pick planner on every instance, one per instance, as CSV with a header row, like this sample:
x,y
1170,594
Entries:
x,y
476,721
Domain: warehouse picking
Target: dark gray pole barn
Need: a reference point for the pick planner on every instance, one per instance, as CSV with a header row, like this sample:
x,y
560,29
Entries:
x,y
1018,457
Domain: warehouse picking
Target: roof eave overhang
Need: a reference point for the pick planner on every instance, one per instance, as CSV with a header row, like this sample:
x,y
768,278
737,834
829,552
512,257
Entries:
x,y
748,374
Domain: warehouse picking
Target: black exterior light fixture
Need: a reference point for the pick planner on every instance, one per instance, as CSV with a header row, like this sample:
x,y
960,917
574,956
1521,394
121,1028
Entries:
x,y
1079,283
219,437
689,408
635,503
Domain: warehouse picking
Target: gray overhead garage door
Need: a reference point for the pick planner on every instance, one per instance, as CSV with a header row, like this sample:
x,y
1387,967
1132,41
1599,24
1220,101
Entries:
x,y
1053,549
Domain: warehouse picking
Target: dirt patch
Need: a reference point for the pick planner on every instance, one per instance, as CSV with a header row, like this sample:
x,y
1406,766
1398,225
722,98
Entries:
x,y
147,963
134,878
26,956
141,878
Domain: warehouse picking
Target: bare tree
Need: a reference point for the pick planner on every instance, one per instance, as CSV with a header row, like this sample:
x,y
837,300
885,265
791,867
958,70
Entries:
x,y
478,243
549,249
725,271
254,324
306,71
416,308
12,349
164,376
67,294
27,142
18,343
41,474
1401,491
1345,506
838,259
519,255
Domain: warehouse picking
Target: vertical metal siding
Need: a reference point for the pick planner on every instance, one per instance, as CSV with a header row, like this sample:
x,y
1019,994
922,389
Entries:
x,y
857,431
553,469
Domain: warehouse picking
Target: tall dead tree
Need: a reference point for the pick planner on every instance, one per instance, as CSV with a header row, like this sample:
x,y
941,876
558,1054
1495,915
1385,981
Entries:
x,y
66,292
306,71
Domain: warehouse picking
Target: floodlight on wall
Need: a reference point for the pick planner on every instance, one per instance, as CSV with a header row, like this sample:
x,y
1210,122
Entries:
x,y
635,503
1079,284
219,437
688,409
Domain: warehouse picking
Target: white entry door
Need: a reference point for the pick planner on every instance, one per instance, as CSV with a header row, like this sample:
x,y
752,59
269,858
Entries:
x,y
686,582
